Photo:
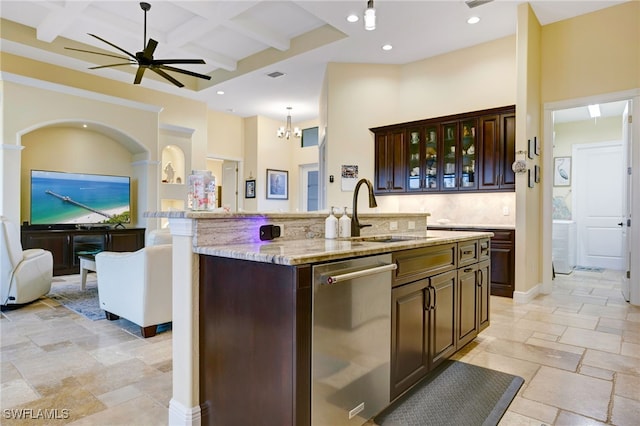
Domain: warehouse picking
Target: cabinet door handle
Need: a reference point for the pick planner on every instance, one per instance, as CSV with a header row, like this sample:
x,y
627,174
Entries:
x,y
427,305
435,300
481,279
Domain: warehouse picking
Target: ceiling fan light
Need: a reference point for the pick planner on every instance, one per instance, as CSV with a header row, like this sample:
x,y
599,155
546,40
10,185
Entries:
x,y
370,17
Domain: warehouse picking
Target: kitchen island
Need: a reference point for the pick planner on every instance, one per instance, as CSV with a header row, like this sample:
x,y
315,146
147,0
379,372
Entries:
x,y
248,313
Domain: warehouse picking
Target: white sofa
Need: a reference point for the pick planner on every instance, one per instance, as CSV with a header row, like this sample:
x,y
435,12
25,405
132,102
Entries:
x,y
137,285
25,274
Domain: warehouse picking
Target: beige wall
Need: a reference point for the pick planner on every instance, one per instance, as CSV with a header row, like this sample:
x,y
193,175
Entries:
x,y
362,96
592,54
528,126
59,148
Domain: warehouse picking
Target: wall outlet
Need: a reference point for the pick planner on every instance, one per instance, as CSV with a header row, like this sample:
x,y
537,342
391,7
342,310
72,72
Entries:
x,y
411,225
393,226
281,225
505,211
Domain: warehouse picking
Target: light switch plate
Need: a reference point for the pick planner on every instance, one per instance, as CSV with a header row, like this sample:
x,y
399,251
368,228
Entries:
x,y
393,226
411,225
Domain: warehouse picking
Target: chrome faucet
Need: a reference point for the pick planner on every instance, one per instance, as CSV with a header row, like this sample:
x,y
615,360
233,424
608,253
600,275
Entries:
x,y
355,223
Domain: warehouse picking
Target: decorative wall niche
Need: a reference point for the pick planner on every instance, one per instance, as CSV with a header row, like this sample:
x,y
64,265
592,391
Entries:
x,y
173,165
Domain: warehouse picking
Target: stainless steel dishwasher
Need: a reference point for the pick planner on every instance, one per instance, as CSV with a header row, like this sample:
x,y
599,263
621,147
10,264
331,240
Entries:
x,y
351,339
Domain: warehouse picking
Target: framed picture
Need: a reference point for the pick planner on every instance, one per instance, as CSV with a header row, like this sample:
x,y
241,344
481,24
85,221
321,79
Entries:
x,y
562,171
536,173
277,184
531,178
530,148
250,188
536,146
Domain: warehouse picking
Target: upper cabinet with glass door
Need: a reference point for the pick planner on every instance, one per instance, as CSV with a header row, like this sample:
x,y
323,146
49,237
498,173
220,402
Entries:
x,y
446,154
468,149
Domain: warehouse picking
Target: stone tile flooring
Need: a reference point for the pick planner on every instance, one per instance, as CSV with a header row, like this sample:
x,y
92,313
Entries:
x,y
578,350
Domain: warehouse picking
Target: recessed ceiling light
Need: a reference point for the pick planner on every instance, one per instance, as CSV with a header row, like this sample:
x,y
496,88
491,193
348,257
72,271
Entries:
x,y
220,92
387,47
352,18
473,20
84,125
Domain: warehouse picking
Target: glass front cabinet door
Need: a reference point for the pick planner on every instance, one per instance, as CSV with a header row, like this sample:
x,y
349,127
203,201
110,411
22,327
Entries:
x,y
450,170
415,153
468,150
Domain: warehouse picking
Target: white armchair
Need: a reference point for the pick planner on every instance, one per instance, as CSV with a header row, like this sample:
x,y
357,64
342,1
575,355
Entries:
x,y
136,286
25,274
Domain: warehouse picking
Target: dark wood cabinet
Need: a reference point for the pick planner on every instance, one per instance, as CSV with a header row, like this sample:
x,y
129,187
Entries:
x,y
439,300
484,292
497,152
65,245
409,336
467,305
503,262
463,152
390,160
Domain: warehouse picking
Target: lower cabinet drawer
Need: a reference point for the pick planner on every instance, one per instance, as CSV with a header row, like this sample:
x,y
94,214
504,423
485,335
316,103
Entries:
x,y
467,253
418,263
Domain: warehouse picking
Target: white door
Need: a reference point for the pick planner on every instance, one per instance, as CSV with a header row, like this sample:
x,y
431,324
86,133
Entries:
x,y
599,182
626,138
230,185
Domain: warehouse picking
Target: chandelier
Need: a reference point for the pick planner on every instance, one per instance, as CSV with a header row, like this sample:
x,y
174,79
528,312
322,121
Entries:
x,y
286,132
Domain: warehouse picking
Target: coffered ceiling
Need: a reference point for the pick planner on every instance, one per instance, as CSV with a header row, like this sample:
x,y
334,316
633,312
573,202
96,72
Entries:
x,y
243,42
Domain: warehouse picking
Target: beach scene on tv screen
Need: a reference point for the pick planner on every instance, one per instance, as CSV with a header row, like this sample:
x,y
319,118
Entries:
x,y
74,198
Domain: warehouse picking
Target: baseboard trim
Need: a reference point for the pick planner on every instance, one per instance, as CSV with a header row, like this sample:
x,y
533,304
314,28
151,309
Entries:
x,y
180,415
522,297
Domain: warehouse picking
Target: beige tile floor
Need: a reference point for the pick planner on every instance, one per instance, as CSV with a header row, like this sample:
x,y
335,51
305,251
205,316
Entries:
x,y
578,350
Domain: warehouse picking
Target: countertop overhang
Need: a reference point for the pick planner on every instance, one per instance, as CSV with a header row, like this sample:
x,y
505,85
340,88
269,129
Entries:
x,y
317,250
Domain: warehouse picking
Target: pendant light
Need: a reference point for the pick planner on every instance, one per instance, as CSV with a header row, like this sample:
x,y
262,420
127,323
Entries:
x,y
287,132
370,16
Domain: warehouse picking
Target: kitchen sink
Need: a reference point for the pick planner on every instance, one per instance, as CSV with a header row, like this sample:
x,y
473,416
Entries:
x,y
387,238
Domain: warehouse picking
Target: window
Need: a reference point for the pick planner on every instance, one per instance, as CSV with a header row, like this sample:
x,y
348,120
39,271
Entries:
x,y
309,137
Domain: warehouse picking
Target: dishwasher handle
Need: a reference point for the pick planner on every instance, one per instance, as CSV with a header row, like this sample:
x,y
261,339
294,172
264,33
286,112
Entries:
x,y
333,279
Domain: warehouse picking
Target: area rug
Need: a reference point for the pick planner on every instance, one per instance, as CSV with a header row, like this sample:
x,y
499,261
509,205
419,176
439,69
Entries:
x,y
588,269
456,393
67,291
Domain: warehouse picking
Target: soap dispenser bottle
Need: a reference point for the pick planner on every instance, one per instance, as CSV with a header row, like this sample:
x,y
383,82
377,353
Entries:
x,y
344,225
331,226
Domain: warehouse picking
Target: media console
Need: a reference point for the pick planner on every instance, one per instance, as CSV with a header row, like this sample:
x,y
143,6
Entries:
x,y
67,244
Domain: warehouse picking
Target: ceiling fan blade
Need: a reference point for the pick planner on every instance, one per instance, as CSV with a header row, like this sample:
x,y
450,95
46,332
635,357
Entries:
x,y
98,53
139,74
112,45
112,65
191,73
148,51
179,61
167,76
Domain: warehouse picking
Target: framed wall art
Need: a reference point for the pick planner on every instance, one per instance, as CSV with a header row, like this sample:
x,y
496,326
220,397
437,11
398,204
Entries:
x,y
277,184
250,188
562,171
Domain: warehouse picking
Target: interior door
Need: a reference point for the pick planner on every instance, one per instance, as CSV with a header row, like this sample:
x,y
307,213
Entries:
x,y
230,184
626,139
599,181
309,188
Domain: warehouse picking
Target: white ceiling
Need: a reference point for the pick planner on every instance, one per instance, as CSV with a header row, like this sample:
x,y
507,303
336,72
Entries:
x,y
243,41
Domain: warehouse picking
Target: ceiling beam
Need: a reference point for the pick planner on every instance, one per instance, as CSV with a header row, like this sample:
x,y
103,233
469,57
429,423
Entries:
x,y
59,20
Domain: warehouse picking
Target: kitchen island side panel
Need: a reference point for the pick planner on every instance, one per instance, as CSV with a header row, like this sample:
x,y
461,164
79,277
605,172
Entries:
x,y
255,342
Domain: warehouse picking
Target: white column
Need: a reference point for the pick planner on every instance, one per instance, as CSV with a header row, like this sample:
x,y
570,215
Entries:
x,y
184,408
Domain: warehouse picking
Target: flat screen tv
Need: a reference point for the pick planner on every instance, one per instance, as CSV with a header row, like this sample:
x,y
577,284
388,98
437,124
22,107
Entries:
x,y
79,198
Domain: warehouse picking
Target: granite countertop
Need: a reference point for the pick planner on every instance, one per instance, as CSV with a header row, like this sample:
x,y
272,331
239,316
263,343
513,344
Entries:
x,y
436,225
300,252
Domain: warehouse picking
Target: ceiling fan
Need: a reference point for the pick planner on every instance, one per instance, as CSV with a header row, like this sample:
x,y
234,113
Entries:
x,y
144,59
